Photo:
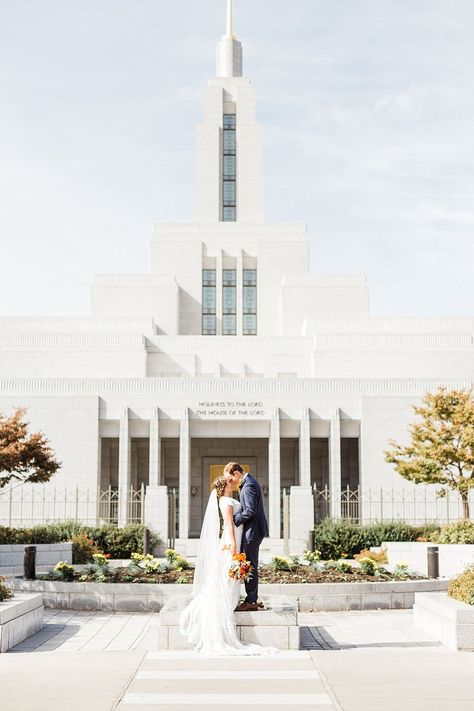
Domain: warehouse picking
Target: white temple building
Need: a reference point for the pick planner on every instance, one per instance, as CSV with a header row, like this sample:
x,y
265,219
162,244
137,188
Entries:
x,y
228,349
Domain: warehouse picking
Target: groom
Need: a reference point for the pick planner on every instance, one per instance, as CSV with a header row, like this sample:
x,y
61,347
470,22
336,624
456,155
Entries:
x,y
253,518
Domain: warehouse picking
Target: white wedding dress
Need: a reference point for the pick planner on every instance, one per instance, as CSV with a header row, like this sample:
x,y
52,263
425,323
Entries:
x,y
208,620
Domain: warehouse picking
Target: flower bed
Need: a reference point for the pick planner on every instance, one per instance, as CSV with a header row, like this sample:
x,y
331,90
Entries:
x,y
175,569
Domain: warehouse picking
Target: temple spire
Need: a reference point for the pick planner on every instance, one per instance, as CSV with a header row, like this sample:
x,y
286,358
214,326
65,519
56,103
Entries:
x,y
229,49
230,20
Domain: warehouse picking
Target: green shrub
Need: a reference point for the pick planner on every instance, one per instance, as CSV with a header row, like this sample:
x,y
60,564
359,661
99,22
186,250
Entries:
x,y
176,561
343,567
462,588
368,566
342,538
281,564
83,548
457,532
401,570
313,557
118,542
5,592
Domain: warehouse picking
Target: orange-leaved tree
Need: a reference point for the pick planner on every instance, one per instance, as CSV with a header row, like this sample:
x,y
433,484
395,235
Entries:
x,y
24,456
441,450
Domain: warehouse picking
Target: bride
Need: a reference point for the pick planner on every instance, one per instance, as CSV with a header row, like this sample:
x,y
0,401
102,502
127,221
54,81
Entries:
x,y
208,620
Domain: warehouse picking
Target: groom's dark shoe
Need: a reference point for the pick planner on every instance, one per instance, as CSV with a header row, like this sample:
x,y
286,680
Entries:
x,y
246,607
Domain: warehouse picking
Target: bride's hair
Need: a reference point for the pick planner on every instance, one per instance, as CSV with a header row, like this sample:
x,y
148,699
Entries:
x,y
219,485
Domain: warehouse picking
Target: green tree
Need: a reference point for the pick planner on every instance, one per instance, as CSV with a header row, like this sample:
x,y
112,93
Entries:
x,y
24,457
442,444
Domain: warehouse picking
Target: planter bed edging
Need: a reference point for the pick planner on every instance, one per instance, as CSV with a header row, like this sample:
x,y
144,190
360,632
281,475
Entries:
x,y
449,621
151,597
20,618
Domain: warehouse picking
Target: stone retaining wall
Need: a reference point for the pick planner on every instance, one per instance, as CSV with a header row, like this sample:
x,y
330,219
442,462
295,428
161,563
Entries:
x,y
453,559
47,555
447,620
135,597
20,618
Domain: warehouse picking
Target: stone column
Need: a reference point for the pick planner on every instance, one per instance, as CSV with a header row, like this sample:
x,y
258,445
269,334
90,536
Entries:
x,y
274,475
301,518
335,464
155,449
305,449
156,497
156,512
124,472
184,474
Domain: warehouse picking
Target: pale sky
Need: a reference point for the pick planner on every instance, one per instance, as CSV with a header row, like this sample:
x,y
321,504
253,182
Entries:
x,y
368,111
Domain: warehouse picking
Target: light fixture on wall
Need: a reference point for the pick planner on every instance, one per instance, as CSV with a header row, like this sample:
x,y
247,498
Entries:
x,y
265,490
194,490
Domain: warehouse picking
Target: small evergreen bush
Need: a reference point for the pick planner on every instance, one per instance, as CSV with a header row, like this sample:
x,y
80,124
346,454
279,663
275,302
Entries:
x,y
342,538
118,542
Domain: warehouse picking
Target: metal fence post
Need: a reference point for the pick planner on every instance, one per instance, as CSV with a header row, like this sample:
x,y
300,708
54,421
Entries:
x,y
10,508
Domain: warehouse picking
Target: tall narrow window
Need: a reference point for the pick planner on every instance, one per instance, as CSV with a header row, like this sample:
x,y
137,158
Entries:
x,y
229,170
250,302
229,302
208,302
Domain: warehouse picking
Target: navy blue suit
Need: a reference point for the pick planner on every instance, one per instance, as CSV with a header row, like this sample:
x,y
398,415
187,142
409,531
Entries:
x,y
253,518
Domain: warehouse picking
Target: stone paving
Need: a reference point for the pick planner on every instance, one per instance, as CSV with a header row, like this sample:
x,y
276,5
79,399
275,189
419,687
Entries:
x,y
69,631
353,661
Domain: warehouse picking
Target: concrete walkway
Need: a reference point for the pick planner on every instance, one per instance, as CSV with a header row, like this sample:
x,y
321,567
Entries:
x,y
414,679
69,631
65,682
355,661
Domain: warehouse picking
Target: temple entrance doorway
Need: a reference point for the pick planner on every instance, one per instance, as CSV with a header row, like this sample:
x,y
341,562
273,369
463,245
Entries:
x,y
208,459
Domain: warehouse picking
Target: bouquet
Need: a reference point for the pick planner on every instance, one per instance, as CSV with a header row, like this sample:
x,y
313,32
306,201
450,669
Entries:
x,y
241,568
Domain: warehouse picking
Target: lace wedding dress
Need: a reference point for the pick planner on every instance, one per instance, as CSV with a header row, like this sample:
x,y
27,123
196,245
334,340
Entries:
x,y
208,620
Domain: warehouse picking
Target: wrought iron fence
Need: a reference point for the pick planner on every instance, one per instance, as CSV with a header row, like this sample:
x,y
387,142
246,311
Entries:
x,y
418,505
38,505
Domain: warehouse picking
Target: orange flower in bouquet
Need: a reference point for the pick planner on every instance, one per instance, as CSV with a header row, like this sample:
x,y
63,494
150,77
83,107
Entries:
x,y
241,568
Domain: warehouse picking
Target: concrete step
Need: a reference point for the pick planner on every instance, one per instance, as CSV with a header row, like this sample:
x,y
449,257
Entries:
x,y
173,680
275,626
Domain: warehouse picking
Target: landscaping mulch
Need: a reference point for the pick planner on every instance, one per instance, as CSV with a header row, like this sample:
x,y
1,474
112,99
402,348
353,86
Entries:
x,y
267,574
305,574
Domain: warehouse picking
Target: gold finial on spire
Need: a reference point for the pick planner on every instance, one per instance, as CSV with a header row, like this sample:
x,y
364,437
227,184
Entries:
x,y
230,19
